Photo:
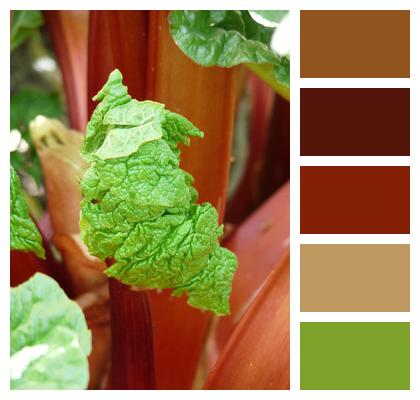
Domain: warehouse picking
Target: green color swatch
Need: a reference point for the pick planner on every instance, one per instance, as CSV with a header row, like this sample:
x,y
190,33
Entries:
x,y
355,355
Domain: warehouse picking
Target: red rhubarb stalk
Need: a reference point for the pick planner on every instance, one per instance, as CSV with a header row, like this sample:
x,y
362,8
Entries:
x,y
132,359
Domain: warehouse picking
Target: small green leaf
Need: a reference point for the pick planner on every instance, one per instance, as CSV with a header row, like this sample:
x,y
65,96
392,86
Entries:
x,y
24,235
215,38
49,338
121,142
177,129
131,125
135,113
140,209
113,94
25,23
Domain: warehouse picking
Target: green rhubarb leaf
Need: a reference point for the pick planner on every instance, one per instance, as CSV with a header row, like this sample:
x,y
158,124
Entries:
x,y
140,209
113,94
135,123
24,235
49,338
216,278
226,39
135,113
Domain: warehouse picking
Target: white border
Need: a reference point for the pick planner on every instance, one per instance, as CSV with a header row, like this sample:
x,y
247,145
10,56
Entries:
x,y
349,82
4,204
354,239
296,83
355,161
294,199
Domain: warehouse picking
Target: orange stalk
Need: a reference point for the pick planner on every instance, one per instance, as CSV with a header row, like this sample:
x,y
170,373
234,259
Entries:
x,y
206,96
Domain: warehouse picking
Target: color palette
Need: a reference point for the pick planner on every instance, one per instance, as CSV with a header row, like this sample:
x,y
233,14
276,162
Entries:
x,y
355,122
355,355
354,200
355,277
355,44
357,273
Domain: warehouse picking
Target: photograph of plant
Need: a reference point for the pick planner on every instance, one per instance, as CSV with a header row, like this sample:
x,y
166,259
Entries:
x,y
149,199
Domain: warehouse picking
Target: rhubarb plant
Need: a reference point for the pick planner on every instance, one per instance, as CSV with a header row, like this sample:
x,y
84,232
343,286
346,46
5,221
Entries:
x,y
139,210
229,38
24,235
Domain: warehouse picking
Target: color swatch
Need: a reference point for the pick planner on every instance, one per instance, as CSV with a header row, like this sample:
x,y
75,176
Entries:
x,y
355,355
355,277
355,43
355,122
354,200
355,125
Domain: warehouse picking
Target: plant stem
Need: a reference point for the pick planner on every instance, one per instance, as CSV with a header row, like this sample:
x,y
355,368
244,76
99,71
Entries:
x,y
132,353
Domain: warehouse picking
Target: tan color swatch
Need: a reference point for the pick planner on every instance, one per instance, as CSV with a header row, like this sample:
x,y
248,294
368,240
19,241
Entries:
x,y
355,44
354,277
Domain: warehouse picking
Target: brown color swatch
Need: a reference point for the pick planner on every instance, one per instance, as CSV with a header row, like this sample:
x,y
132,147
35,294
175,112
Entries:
x,y
355,277
354,200
355,44
355,122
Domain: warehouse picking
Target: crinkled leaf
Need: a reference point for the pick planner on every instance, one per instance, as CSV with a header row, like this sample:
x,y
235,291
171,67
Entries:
x,y
216,38
25,23
135,113
49,338
177,129
140,209
131,125
24,235
216,278
113,94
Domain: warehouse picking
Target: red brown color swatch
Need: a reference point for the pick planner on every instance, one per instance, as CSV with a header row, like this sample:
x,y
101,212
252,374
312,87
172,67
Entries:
x,y
355,122
355,44
358,200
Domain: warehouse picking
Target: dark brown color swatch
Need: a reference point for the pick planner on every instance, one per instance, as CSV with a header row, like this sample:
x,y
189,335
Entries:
x,y
354,200
355,44
355,277
355,122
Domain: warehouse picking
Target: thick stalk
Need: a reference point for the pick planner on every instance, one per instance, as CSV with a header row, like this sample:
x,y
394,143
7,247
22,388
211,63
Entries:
x,y
119,39
132,358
